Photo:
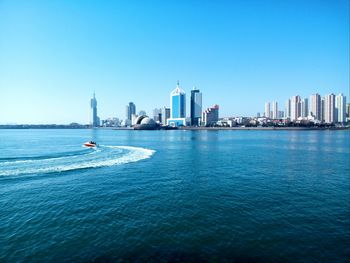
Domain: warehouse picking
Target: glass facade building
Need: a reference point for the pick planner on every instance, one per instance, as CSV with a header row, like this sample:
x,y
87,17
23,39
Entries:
x,y
177,107
196,106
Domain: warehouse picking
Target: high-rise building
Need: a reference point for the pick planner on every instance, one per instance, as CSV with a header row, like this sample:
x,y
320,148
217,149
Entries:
x,y
280,114
130,110
287,109
274,110
348,110
267,110
295,108
210,115
95,119
165,115
340,106
157,115
323,109
304,108
196,106
177,107
329,110
315,106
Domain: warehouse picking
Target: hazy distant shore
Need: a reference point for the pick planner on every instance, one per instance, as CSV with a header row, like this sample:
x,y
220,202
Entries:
x,y
180,128
265,128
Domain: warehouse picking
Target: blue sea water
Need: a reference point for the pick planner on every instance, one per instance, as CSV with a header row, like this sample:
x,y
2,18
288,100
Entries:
x,y
187,196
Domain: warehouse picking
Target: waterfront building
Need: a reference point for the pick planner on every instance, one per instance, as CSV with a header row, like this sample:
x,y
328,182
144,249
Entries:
x,y
157,115
133,119
130,110
177,107
196,106
323,107
165,115
267,110
280,114
329,110
95,119
211,115
274,110
315,106
348,110
295,108
340,106
305,108
287,109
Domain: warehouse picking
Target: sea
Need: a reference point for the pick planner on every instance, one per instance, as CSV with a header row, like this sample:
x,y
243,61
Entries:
x,y
174,196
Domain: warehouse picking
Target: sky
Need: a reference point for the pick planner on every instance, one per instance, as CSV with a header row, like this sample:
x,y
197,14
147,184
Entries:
x,y
240,53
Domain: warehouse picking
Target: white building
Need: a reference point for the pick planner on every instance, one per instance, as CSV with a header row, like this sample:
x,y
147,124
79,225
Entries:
x,y
267,110
340,105
329,109
274,110
315,108
211,115
304,108
165,115
295,108
287,109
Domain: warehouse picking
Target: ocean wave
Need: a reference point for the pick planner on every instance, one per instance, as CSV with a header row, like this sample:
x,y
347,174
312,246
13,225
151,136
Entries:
x,y
103,156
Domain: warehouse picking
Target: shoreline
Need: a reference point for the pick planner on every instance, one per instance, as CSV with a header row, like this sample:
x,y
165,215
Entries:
x,y
186,128
241,128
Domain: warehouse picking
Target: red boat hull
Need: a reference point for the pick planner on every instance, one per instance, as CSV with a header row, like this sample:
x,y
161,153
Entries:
x,y
89,144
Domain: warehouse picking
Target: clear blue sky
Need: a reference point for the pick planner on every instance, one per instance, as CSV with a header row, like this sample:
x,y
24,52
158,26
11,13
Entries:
x,y
54,54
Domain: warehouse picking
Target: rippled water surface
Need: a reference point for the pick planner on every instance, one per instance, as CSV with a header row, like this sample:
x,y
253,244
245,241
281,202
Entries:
x,y
174,196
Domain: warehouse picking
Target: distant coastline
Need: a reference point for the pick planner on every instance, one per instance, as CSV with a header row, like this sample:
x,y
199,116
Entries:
x,y
240,128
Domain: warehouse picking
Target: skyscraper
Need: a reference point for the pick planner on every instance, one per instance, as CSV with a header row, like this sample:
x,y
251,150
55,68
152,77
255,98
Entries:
x,y
130,110
157,115
316,106
304,108
177,107
340,105
196,106
275,110
267,110
295,108
95,118
323,109
287,110
165,115
211,115
329,109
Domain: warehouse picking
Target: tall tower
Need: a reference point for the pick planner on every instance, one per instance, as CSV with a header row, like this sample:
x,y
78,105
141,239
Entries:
x,y
95,118
178,103
295,108
274,110
340,102
196,106
329,109
316,106
131,109
304,108
267,110
177,107
287,109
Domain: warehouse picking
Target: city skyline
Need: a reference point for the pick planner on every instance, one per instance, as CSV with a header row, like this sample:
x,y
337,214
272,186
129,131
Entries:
x,y
56,53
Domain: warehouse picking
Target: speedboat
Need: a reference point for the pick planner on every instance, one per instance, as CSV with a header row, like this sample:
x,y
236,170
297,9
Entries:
x,y
90,144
